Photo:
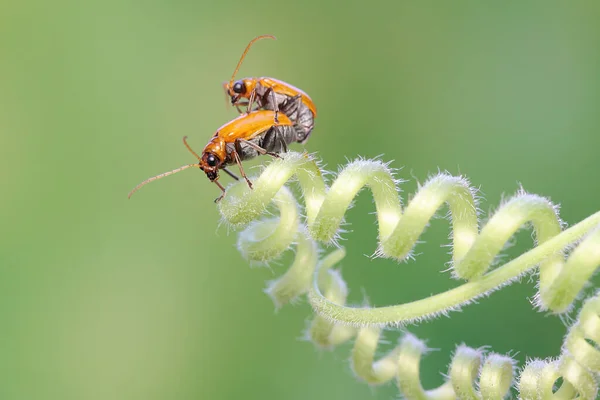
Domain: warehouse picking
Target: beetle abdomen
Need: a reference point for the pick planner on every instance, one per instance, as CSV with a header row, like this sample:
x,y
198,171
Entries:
x,y
305,120
275,140
293,107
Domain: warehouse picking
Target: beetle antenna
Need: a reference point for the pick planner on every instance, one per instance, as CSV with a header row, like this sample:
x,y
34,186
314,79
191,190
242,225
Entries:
x,y
246,51
190,149
161,176
227,98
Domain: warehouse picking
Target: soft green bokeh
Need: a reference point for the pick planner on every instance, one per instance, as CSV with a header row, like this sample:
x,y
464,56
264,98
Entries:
x,y
108,298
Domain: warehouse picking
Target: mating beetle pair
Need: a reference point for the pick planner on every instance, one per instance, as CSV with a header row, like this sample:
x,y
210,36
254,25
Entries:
x,y
277,114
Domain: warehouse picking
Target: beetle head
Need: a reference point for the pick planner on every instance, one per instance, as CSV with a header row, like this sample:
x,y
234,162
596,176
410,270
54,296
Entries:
x,y
242,88
210,164
236,90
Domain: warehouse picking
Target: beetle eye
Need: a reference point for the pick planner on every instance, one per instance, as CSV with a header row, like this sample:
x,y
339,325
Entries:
x,y
239,87
211,160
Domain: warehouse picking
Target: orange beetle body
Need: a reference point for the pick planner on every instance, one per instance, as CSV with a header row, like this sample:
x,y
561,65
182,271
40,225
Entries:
x,y
279,87
243,138
252,127
283,114
272,94
288,90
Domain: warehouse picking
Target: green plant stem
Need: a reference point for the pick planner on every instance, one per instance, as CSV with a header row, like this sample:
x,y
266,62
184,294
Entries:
x,y
472,375
452,298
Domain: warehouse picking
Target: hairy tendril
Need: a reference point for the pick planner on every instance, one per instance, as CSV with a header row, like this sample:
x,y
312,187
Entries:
x,y
474,249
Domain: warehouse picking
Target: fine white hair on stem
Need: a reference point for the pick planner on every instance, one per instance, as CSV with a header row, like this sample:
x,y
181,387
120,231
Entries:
x,y
562,261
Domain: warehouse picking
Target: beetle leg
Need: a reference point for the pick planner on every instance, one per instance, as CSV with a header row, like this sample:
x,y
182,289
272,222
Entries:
x,y
236,156
231,174
270,92
258,148
275,105
244,104
251,100
218,199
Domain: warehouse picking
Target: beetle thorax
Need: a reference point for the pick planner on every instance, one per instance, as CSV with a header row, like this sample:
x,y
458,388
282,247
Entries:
x,y
217,147
249,85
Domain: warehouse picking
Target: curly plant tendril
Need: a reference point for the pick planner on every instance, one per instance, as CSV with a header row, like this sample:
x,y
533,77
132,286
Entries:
x,y
474,250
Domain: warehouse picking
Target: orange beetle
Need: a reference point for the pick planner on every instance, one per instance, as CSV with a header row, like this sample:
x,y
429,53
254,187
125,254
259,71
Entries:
x,y
241,139
272,94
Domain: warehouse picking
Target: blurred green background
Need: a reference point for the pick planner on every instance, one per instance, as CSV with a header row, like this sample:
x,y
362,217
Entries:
x,y
108,298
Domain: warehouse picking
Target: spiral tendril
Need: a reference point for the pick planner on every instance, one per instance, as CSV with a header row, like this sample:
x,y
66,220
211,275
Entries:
x,y
474,250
